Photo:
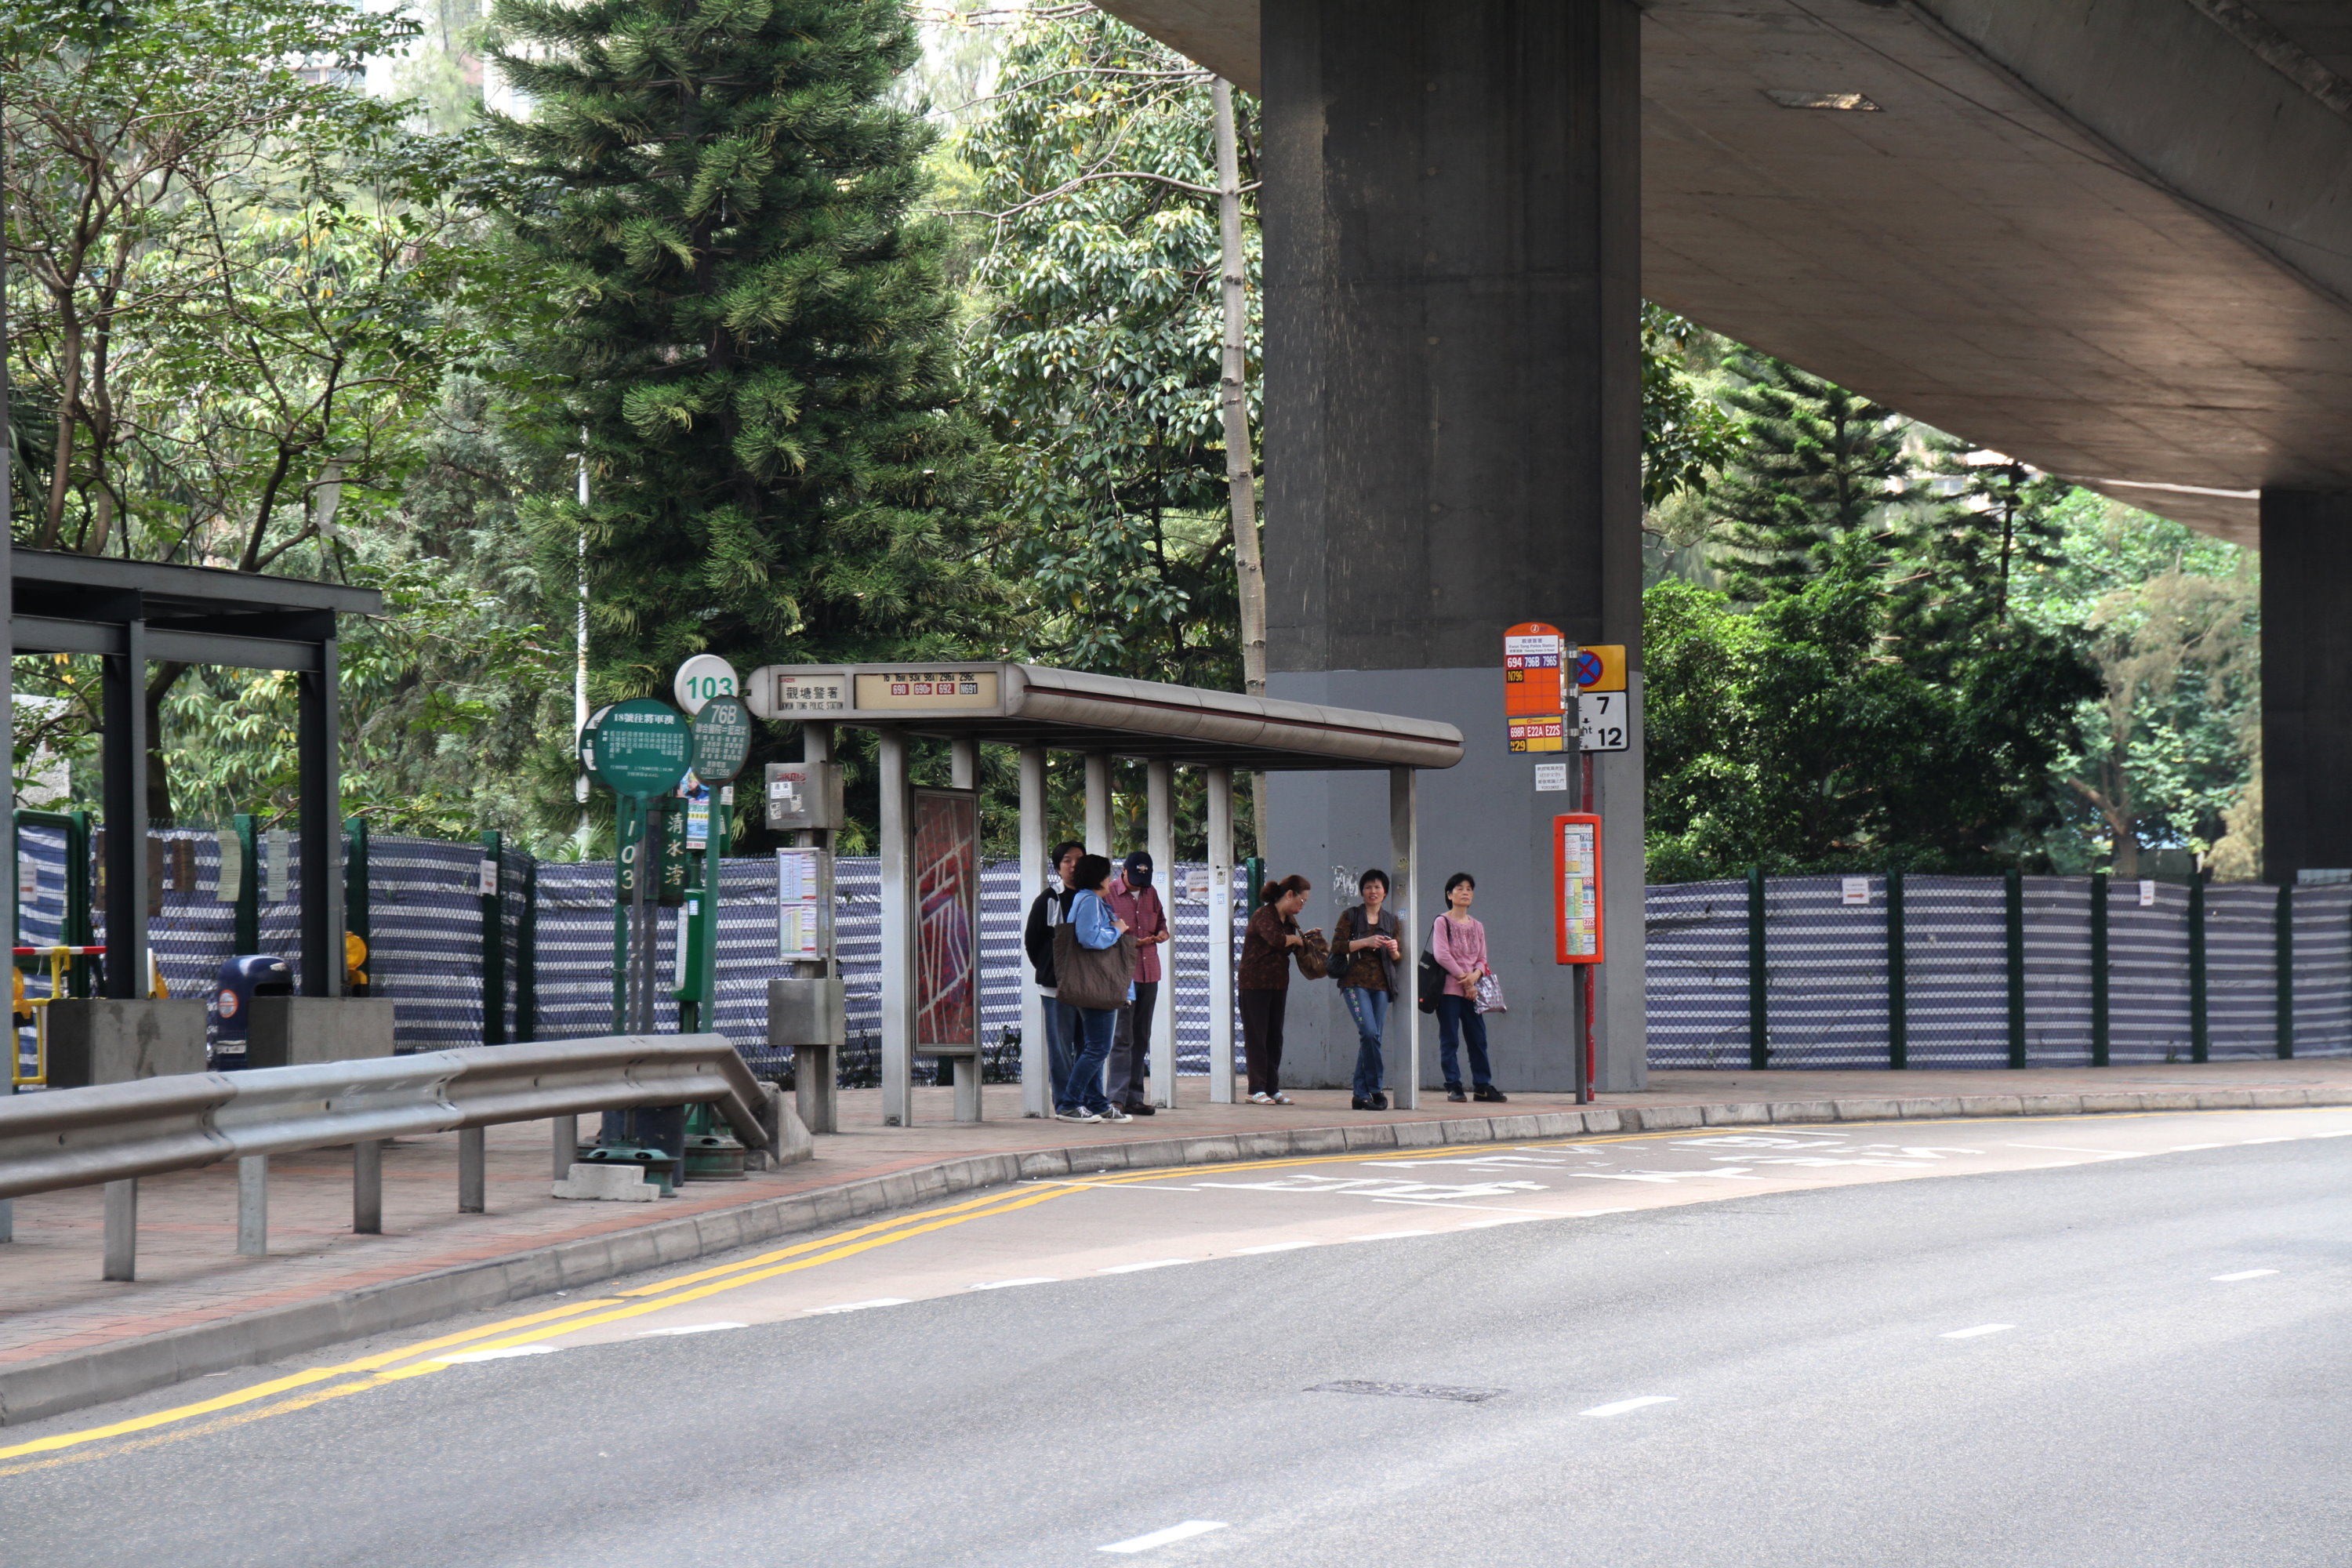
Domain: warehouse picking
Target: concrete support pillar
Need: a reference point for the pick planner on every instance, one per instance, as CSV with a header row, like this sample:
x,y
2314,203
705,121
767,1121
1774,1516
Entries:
x,y
1036,1060
252,1206
898,932
1221,936
367,1185
1098,803
1454,444
1159,831
2306,681
564,1145
1402,1044
123,1230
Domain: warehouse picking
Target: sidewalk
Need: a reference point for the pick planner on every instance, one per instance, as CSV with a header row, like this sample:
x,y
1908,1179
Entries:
x,y
68,1339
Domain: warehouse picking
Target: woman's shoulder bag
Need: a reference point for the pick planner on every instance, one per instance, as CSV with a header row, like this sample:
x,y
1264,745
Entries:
x,y
1092,977
1429,975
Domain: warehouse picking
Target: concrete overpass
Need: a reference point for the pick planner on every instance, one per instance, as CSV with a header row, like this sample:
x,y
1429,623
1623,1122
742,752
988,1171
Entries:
x,y
2111,238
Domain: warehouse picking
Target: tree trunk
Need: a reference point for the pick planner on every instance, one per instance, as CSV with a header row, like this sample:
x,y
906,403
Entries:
x,y
1240,478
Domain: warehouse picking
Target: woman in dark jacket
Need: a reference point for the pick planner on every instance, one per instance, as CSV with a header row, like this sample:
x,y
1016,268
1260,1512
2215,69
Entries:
x,y
1264,982
1364,954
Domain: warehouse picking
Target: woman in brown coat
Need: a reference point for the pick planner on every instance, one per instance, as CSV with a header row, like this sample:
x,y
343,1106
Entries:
x,y
1264,982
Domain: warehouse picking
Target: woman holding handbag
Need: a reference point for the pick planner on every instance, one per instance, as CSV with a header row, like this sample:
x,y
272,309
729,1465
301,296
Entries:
x,y
1458,942
1364,953
1094,968
1264,981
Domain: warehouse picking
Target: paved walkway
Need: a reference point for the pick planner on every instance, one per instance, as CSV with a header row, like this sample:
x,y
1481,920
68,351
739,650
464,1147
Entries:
x,y
52,1302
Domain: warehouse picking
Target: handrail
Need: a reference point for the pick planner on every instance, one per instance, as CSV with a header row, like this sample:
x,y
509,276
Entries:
x,y
81,1137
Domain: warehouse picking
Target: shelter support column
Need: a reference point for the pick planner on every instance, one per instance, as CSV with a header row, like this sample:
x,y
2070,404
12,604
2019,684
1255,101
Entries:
x,y
1036,1061
1097,803
2306,572
1403,1042
318,748
898,932
124,791
1159,813
1221,936
816,1074
1453,435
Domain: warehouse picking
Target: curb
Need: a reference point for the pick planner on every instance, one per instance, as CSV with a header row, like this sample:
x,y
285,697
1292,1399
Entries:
x,y
56,1385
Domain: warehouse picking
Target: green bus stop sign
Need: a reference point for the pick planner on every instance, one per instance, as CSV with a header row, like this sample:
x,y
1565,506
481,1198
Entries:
x,y
637,748
722,740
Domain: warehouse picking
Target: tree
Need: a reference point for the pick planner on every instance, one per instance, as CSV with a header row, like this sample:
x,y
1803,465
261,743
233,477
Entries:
x,y
1814,463
1687,438
752,334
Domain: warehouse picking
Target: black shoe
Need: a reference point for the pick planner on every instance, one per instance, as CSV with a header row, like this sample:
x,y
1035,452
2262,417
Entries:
x,y
1360,1103
1491,1095
1379,1102
1457,1096
1139,1109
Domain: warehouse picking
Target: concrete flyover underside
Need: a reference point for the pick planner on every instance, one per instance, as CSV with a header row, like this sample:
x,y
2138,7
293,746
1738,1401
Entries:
x,y
2114,240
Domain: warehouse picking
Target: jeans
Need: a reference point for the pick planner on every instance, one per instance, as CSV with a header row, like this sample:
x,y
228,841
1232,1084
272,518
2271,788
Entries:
x,y
1083,1089
1131,1047
1061,1041
1459,1017
1370,1009
1262,1039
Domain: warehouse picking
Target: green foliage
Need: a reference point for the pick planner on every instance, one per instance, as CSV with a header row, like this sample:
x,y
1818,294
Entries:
x,y
1686,436
752,334
1096,363
1814,464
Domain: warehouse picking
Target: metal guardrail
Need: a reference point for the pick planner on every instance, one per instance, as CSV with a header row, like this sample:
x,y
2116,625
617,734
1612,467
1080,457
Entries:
x,y
115,1133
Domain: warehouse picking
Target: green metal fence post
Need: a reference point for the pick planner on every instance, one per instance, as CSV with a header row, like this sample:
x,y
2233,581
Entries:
x,y
2199,1043
1759,1050
2285,966
527,955
249,887
2013,925
2099,1032
355,879
494,939
1898,1013
81,903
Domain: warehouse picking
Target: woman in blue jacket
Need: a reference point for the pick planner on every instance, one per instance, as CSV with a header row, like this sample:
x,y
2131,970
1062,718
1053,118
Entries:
x,y
1096,926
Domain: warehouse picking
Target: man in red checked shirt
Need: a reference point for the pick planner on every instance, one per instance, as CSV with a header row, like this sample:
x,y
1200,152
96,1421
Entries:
x,y
1134,899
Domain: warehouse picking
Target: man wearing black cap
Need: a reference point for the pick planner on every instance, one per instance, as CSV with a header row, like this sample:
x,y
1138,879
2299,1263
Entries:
x,y
1135,900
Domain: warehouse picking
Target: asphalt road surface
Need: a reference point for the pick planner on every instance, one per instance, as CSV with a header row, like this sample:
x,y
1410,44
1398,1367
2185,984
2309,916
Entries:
x,y
2072,1343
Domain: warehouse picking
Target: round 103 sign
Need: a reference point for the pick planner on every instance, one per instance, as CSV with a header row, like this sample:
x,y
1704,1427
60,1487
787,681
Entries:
x,y
636,747
702,677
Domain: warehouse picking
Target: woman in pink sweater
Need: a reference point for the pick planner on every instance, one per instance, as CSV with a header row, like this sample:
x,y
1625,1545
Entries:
x,y
1458,942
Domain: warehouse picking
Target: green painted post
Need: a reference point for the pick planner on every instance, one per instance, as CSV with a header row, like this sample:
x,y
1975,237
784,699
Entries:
x,y
527,955
1760,1051
494,939
356,918
2013,924
81,924
2199,1043
2284,966
249,885
1898,1010
2100,1038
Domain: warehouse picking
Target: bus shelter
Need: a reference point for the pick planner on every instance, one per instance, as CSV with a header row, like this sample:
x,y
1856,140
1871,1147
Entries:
x,y
1039,710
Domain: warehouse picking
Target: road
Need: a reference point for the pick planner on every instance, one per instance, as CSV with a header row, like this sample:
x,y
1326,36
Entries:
x,y
2072,1343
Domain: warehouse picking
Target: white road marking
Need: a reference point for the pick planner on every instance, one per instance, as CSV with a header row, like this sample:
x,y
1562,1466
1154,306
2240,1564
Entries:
x,y
498,1354
1507,1219
1003,1284
2184,1148
1274,1246
1979,1329
861,1306
2242,1273
2244,1141
1140,1267
1184,1531
689,1329
1622,1405
2340,1133
2104,1153
1390,1235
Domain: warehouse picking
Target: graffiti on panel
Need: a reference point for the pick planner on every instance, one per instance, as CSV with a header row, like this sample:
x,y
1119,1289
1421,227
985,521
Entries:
x,y
947,918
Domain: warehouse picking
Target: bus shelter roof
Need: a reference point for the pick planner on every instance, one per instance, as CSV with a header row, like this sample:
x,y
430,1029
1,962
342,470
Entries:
x,y
1072,711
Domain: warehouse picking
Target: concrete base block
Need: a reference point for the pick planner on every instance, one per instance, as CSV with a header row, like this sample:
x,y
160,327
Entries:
x,y
608,1183
789,1139
296,1031
95,1040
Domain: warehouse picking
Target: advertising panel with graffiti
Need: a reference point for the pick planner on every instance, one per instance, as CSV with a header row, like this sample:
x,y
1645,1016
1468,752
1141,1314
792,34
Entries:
x,y
947,918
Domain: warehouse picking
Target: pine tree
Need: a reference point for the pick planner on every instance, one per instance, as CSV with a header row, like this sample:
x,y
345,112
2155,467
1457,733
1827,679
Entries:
x,y
1814,464
750,328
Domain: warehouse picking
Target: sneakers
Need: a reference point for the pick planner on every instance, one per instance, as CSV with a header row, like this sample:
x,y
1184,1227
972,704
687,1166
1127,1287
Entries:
x,y
1491,1095
1379,1102
1111,1113
1456,1096
1140,1109
1078,1114
1261,1097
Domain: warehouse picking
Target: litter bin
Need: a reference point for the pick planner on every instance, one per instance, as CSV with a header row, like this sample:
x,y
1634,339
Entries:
x,y
229,1024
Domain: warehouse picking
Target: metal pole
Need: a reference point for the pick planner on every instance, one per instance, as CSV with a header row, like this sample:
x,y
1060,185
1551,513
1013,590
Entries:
x,y
1759,1034
317,745
563,1144
123,784
367,1188
494,938
252,1206
1221,936
1405,854
1160,834
2013,929
1036,1060
898,933
247,935
473,1160
358,916
2101,1034
816,1085
526,984
2199,1039
1097,803
579,655
1898,1000
123,1229
2283,967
